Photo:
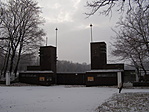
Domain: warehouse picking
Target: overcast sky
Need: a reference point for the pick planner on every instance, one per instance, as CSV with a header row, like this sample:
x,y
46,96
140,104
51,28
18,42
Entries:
x,y
73,28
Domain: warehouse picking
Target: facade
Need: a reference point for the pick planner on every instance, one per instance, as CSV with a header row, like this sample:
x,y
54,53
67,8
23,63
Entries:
x,y
45,78
98,55
48,58
45,73
102,77
71,78
101,73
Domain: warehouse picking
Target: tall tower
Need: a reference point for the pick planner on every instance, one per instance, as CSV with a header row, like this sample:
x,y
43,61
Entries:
x,y
98,55
48,58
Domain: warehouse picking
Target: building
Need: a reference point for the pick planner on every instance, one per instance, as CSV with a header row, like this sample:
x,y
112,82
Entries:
x,y
101,73
45,73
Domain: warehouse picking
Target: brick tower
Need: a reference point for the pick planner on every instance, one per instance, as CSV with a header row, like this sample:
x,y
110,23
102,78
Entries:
x,y
98,55
48,58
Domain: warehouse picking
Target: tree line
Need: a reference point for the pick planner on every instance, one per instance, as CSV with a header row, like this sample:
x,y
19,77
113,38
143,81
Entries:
x,y
69,66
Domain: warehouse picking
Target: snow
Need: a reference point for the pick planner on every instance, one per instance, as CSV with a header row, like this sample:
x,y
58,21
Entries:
x,y
126,102
37,72
107,70
55,98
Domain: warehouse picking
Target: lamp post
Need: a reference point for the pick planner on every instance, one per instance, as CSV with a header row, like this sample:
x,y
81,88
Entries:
x,y
56,57
56,36
91,33
46,41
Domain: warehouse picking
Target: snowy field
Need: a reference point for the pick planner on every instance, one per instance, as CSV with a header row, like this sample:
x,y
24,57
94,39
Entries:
x,y
56,98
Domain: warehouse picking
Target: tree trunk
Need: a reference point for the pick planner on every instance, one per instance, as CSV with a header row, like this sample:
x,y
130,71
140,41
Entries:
x,y
5,68
12,62
18,60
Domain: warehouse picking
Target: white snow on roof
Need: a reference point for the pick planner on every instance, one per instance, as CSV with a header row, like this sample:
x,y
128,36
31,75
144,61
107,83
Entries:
x,y
37,72
107,70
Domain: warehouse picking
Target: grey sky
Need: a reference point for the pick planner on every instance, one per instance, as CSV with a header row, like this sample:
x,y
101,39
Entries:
x,y
73,28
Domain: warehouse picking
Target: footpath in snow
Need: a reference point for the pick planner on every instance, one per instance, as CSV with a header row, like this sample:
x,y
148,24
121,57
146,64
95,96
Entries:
x,y
55,98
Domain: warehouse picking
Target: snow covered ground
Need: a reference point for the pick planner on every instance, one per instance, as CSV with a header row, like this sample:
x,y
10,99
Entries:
x,y
126,102
55,98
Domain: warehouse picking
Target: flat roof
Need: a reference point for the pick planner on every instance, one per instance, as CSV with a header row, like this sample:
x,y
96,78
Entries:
x,y
107,70
37,72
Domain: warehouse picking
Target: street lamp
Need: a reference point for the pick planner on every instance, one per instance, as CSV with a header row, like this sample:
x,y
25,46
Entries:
x,y
46,41
91,32
56,36
56,56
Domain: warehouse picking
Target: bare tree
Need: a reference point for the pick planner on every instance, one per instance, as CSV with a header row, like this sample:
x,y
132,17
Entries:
x,y
132,40
106,6
20,28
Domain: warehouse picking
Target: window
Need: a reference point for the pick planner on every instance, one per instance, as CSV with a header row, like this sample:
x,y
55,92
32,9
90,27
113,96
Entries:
x,y
90,78
41,78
